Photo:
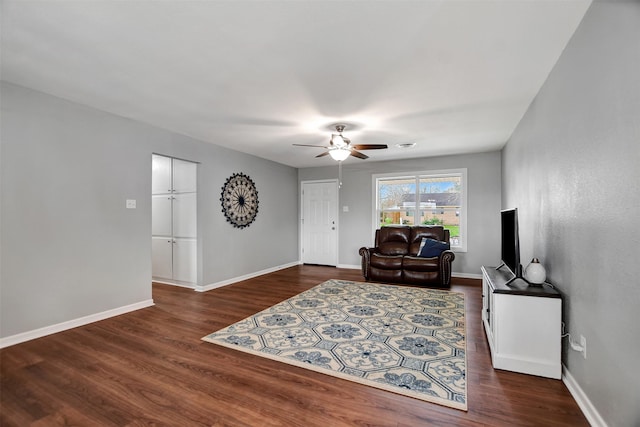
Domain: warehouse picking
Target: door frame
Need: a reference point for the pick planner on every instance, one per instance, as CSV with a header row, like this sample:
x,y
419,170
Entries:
x,y
301,218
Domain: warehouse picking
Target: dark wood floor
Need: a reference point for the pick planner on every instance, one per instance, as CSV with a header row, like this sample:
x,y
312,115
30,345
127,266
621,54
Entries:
x,y
150,367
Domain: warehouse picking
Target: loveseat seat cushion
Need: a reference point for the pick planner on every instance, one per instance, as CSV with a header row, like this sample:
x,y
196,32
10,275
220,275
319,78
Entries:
x,y
386,262
412,263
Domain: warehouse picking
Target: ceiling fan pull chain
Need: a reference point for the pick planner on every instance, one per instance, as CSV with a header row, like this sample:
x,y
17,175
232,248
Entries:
x,y
339,174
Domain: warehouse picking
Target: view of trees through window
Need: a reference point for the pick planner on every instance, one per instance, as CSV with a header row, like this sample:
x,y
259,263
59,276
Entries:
x,y
422,199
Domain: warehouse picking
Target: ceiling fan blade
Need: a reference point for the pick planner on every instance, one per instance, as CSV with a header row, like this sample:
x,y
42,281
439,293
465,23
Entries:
x,y
307,145
323,154
358,154
369,146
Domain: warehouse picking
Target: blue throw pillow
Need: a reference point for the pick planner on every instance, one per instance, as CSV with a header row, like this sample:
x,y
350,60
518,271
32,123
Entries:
x,y
430,248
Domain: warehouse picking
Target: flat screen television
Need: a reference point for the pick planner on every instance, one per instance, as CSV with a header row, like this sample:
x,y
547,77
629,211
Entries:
x,y
510,243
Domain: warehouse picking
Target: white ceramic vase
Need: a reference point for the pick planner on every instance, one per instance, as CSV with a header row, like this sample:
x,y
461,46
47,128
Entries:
x,y
535,272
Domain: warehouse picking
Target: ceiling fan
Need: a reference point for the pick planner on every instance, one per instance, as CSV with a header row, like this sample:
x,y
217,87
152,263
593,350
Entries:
x,y
340,146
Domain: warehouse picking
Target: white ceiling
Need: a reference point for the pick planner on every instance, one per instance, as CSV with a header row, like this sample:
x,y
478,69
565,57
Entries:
x,y
452,76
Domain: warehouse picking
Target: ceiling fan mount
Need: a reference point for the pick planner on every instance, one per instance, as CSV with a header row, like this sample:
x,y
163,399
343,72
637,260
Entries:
x,y
340,147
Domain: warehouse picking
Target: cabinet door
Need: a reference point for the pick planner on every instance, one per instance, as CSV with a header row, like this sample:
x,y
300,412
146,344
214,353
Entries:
x,y
160,174
184,176
162,257
161,215
184,260
184,215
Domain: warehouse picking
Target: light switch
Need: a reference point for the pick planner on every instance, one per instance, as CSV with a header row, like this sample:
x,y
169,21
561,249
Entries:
x,y
131,204
345,209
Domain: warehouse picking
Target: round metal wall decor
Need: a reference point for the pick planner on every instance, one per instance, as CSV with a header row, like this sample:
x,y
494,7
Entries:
x,y
239,200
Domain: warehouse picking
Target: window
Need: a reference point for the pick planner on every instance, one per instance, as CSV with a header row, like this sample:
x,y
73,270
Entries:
x,y
429,198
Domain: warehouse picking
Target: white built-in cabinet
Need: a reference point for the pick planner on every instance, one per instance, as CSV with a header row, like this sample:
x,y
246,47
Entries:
x,y
174,219
522,323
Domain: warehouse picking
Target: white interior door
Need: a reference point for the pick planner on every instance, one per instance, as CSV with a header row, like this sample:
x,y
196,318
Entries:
x,y
320,223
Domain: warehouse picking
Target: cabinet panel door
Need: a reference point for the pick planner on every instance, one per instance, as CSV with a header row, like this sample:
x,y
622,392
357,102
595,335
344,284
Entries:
x,y
184,215
160,175
184,176
184,260
162,258
161,215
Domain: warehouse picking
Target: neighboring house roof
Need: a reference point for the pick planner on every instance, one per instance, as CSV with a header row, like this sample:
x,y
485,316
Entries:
x,y
441,199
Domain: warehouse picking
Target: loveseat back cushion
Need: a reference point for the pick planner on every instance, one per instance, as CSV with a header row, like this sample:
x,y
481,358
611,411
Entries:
x,y
393,240
418,232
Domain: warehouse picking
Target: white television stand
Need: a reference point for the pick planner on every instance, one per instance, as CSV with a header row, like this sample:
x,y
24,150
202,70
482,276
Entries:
x,y
523,324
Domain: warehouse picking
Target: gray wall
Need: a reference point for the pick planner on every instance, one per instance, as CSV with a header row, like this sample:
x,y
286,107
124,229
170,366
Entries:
x,y
69,248
573,169
484,199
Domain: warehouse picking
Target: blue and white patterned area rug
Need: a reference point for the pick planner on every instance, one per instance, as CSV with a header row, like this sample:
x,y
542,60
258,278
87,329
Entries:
x,y
406,340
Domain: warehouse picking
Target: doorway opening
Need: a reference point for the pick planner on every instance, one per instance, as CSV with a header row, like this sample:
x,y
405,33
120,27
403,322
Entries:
x,y
174,221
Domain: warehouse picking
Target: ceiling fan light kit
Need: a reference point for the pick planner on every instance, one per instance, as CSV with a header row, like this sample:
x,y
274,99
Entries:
x,y
339,153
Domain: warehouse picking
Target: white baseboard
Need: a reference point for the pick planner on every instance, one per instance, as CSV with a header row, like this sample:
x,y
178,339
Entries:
x,y
174,283
589,411
454,274
467,275
204,288
349,266
70,324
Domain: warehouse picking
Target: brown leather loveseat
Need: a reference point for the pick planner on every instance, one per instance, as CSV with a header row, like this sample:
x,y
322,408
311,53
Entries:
x,y
395,256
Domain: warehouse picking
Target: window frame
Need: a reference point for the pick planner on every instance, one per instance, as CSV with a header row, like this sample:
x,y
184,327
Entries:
x,y
417,175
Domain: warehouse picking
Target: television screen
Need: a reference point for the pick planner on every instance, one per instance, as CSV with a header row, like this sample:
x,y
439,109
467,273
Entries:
x,y
510,252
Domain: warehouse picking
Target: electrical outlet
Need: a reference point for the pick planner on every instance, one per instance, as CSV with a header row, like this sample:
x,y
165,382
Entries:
x,y
583,344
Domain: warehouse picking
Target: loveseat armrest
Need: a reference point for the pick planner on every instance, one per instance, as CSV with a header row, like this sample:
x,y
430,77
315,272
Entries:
x,y
444,261
365,253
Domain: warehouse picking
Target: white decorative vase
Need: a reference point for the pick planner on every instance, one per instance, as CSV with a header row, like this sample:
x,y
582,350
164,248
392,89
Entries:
x,y
535,272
